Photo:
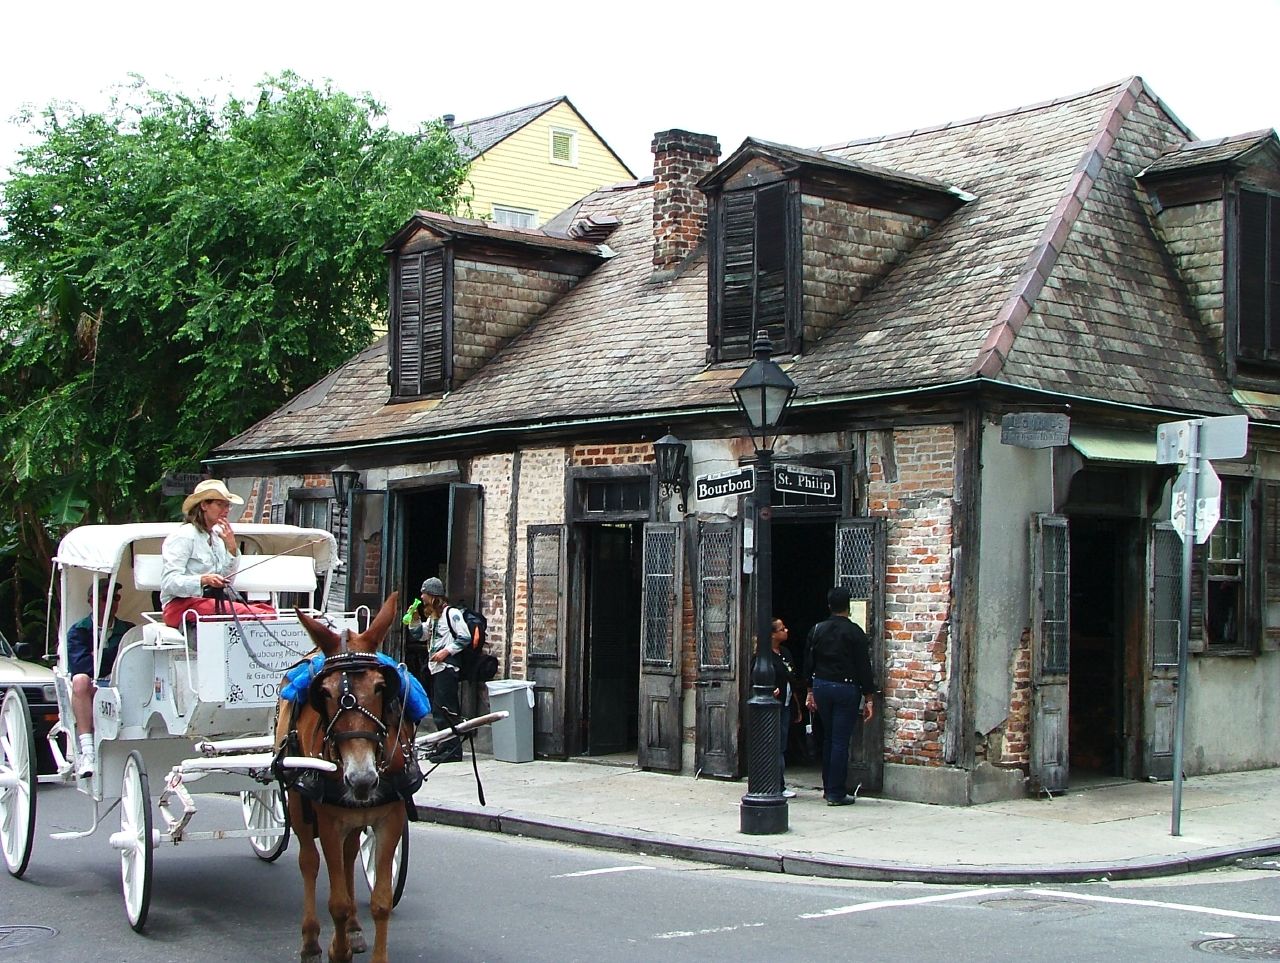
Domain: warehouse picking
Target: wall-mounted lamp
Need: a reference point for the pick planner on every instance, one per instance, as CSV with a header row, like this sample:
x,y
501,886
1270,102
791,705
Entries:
x,y
673,467
345,479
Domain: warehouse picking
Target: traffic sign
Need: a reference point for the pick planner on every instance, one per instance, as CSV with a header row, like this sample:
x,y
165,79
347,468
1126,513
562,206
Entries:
x,y
1208,503
805,481
1225,437
741,481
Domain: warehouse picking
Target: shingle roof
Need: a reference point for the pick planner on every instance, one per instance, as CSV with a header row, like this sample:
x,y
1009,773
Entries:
x,y
474,137
1049,280
1202,153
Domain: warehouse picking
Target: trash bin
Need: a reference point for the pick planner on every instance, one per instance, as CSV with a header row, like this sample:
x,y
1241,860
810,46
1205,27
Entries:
x,y
512,736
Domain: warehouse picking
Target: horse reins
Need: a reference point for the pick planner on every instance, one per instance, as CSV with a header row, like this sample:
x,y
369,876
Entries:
x,y
345,663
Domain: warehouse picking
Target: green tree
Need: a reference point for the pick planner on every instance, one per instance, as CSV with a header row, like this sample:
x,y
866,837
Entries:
x,y
181,267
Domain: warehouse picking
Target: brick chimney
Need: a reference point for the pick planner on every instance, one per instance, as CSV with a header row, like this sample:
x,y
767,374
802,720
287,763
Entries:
x,y
680,160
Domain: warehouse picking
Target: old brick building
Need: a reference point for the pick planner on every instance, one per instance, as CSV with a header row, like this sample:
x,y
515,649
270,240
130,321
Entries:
x,y
1084,267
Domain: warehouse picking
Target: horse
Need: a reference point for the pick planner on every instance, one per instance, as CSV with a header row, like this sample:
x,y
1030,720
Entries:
x,y
354,717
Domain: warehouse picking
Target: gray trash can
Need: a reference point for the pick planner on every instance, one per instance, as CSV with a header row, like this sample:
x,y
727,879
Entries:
x,y
512,736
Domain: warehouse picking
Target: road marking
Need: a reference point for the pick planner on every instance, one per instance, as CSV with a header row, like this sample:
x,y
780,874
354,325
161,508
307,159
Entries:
x,y
601,872
891,903
1185,907
681,934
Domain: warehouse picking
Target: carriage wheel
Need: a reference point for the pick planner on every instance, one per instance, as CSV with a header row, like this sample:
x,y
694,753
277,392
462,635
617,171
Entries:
x,y
264,809
399,863
17,781
134,840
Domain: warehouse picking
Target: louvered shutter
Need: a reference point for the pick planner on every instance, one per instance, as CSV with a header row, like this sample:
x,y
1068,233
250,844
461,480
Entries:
x,y
737,289
1195,636
420,323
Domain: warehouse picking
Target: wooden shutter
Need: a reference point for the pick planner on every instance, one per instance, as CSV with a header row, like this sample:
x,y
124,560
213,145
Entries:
x,y
1270,527
419,323
1195,637
737,288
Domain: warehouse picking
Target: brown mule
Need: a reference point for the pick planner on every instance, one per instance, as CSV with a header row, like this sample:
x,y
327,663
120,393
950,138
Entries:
x,y
352,718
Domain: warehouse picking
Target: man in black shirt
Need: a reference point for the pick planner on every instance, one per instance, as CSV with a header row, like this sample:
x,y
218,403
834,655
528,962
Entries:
x,y
838,667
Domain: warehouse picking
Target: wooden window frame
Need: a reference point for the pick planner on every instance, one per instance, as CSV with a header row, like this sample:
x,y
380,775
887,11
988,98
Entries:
x,y
733,341
507,209
1249,636
440,376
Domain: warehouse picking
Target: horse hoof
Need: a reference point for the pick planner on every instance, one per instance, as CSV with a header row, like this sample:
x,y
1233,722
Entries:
x,y
311,957
358,942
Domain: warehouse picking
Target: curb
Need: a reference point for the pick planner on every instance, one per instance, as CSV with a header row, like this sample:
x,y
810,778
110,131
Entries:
x,y
765,859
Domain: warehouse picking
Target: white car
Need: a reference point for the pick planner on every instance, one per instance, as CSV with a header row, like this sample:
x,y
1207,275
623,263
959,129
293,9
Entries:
x,y
36,681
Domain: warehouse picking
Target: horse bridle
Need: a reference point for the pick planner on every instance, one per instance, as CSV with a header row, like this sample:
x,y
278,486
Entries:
x,y
347,663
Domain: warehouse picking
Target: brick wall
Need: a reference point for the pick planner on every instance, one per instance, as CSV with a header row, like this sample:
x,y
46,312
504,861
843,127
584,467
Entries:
x,y
680,160
917,498
492,303
847,249
585,455
540,501
493,472
1016,747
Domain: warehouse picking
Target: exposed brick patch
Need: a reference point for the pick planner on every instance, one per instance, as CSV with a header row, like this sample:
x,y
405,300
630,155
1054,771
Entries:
x,y
680,160
1016,748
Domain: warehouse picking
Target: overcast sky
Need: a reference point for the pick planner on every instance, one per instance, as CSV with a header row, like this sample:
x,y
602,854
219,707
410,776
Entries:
x,y
798,72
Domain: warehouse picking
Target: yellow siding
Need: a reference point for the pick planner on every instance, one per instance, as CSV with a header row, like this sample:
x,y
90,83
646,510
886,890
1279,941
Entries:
x,y
519,173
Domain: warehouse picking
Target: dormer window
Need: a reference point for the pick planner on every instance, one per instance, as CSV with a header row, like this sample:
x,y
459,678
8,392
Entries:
x,y
1258,277
754,241
422,323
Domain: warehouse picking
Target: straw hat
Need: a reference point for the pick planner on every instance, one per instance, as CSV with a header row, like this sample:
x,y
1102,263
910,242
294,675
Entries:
x,y
207,490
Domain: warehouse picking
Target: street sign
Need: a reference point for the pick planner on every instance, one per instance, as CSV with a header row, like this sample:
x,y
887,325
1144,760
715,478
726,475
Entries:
x,y
1035,429
1208,502
180,483
1225,437
742,481
805,481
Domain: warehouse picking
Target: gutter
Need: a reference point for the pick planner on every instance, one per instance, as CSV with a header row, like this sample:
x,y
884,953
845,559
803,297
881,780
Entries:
x,y
807,404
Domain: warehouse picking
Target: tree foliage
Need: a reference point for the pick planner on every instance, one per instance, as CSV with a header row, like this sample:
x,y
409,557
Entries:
x,y
181,267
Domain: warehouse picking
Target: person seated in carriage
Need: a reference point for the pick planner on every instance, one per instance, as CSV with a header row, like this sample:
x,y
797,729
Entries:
x,y
80,646
199,559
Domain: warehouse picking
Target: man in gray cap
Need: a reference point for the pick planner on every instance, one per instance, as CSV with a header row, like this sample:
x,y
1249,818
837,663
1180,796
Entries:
x,y
444,630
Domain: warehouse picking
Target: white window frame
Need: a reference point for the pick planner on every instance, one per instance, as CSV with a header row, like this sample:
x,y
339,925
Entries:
x,y
573,146
519,212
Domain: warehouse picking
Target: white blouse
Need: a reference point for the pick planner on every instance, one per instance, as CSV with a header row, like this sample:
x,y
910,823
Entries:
x,y
187,554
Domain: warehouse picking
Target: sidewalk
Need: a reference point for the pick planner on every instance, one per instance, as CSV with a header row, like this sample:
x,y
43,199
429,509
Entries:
x,y
1117,831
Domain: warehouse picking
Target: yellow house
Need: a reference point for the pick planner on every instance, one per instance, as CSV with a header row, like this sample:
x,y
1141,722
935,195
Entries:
x,y
529,164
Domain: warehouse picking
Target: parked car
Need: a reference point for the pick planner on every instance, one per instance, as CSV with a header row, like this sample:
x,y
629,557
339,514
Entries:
x,y
36,681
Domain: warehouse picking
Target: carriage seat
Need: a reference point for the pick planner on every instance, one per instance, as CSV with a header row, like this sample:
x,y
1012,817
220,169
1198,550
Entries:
x,y
254,574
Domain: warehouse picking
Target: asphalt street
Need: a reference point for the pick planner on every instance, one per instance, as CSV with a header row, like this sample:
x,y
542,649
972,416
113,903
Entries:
x,y
474,897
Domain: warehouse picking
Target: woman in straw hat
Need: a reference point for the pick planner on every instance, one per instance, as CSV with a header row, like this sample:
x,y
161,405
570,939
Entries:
x,y
199,558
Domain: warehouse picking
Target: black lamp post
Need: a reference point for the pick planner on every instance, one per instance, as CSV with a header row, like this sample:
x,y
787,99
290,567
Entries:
x,y
673,467
763,393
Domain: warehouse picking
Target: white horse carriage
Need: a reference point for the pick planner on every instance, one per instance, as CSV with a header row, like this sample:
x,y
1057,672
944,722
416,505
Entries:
x,y
195,707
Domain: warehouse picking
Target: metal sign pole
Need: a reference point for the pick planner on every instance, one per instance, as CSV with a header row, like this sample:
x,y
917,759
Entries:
x,y
1184,630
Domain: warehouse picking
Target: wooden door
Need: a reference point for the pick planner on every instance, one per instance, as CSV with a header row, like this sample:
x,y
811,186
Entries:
x,y
661,620
860,567
546,627
611,637
466,515
1160,697
719,573
1050,652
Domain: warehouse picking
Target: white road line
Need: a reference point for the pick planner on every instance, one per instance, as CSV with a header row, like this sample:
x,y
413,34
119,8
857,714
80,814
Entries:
x,y
601,872
681,934
1185,907
891,903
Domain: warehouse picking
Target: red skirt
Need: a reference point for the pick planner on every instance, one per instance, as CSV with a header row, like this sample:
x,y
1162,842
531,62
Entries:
x,y
177,608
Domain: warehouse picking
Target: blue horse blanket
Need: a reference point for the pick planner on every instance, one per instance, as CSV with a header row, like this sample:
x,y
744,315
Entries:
x,y
416,704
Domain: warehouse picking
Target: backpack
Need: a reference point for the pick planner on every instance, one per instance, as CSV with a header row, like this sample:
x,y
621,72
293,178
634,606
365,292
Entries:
x,y
475,664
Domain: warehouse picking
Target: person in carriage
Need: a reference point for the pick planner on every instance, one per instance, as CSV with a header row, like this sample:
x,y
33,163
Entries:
x,y
199,560
84,681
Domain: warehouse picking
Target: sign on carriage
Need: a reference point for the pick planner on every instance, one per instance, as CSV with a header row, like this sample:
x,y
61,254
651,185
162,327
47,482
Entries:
x,y
257,656
820,482
741,481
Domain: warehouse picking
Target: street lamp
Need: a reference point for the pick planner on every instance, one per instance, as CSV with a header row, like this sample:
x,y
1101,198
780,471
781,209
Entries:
x,y
763,393
673,467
